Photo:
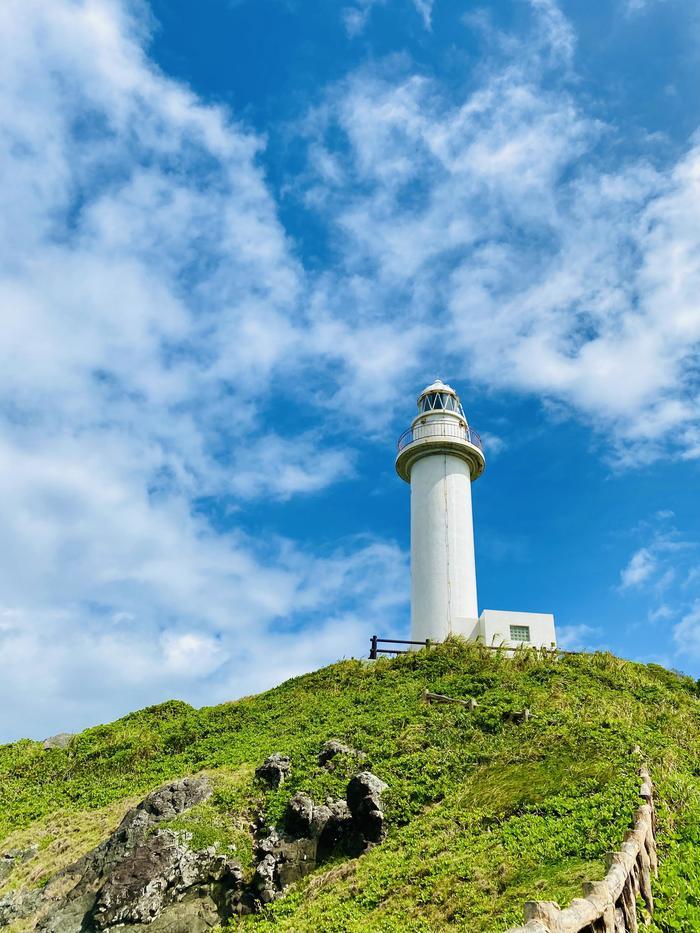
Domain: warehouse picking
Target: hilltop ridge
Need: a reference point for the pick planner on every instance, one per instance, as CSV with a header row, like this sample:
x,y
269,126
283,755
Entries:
x,y
483,811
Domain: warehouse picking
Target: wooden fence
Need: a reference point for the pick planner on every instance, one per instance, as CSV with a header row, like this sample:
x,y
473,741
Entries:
x,y
610,905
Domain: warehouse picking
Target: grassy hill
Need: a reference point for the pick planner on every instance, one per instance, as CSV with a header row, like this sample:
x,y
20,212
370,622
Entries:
x,y
483,813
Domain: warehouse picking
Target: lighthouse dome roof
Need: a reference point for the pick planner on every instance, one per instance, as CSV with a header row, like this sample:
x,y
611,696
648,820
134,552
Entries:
x,y
439,397
437,386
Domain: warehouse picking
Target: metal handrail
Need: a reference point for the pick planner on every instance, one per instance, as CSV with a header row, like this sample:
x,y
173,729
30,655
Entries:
x,y
375,650
440,429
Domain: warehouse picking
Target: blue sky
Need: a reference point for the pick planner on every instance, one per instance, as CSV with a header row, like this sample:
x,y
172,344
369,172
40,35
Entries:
x,y
239,237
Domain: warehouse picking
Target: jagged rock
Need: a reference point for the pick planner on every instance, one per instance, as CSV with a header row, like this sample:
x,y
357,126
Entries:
x,y
283,861
299,814
155,874
148,874
62,740
265,879
275,769
332,748
9,859
364,800
141,871
331,824
173,799
19,904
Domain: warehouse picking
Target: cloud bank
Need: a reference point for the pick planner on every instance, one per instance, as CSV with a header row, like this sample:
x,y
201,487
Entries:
x,y
153,307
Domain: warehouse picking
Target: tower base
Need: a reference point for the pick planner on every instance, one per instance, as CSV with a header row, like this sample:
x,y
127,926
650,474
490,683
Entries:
x,y
497,627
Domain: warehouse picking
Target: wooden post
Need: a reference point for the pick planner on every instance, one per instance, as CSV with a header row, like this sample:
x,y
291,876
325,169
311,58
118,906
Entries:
x,y
373,649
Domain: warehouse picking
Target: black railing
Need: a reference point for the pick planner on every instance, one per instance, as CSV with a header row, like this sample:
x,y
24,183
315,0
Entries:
x,y
440,429
375,641
375,650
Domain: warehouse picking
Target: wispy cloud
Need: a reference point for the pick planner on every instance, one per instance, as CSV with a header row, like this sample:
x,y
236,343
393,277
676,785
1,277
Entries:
x,y
150,297
640,568
579,637
356,16
154,304
593,304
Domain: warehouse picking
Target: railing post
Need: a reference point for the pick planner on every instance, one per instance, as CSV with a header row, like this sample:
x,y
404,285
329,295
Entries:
x,y
373,649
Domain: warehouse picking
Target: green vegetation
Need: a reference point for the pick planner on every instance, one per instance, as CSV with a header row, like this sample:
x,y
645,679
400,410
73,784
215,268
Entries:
x,y
483,813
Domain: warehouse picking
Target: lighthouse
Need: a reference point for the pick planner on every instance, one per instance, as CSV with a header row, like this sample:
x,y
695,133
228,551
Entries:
x,y
441,456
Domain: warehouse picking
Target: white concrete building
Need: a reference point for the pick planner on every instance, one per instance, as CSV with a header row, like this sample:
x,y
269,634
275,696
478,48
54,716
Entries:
x,y
441,456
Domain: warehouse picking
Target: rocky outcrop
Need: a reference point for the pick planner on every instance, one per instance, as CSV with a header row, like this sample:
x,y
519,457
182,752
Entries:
x,y
364,800
62,740
275,769
9,859
147,874
333,749
313,832
137,875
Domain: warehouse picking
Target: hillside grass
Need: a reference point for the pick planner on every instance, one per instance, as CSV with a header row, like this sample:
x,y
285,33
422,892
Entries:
x,y
483,814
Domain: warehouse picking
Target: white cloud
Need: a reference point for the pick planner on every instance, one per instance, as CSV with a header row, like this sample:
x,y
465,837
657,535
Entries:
x,y
191,655
278,468
661,613
149,299
356,16
579,637
153,306
687,633
655,563
641,566
425,11
499,220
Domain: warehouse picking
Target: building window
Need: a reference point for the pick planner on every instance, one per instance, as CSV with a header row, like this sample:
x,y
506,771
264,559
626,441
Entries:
x,y
520,633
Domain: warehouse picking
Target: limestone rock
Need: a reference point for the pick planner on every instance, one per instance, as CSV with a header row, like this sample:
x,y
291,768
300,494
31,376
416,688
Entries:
x,y
62,740
19,904
283,860
333,748
147,874
331,825
275,769
173,799
9,859
364,801
299,815
142,873
158,873
265,879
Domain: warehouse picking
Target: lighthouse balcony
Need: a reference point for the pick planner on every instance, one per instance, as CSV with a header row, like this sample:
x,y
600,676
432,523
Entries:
x,y
440,429
440,437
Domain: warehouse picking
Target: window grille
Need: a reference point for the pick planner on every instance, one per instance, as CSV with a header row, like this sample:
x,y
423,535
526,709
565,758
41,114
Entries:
x,y
441,401
520,633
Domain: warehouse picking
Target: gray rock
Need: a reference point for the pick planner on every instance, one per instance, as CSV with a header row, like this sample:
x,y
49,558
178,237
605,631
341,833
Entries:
x,y
364,801
265,883
333,748
62,740
299,815
275,769
142,875
331,824
156,874
9,859
19,904
170,801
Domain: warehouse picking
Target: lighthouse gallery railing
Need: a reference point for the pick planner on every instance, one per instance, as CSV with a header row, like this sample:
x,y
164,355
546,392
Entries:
x,y
441,429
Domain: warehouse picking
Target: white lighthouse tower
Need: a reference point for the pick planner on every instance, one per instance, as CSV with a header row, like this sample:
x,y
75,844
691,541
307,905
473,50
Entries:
x,y
440,456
